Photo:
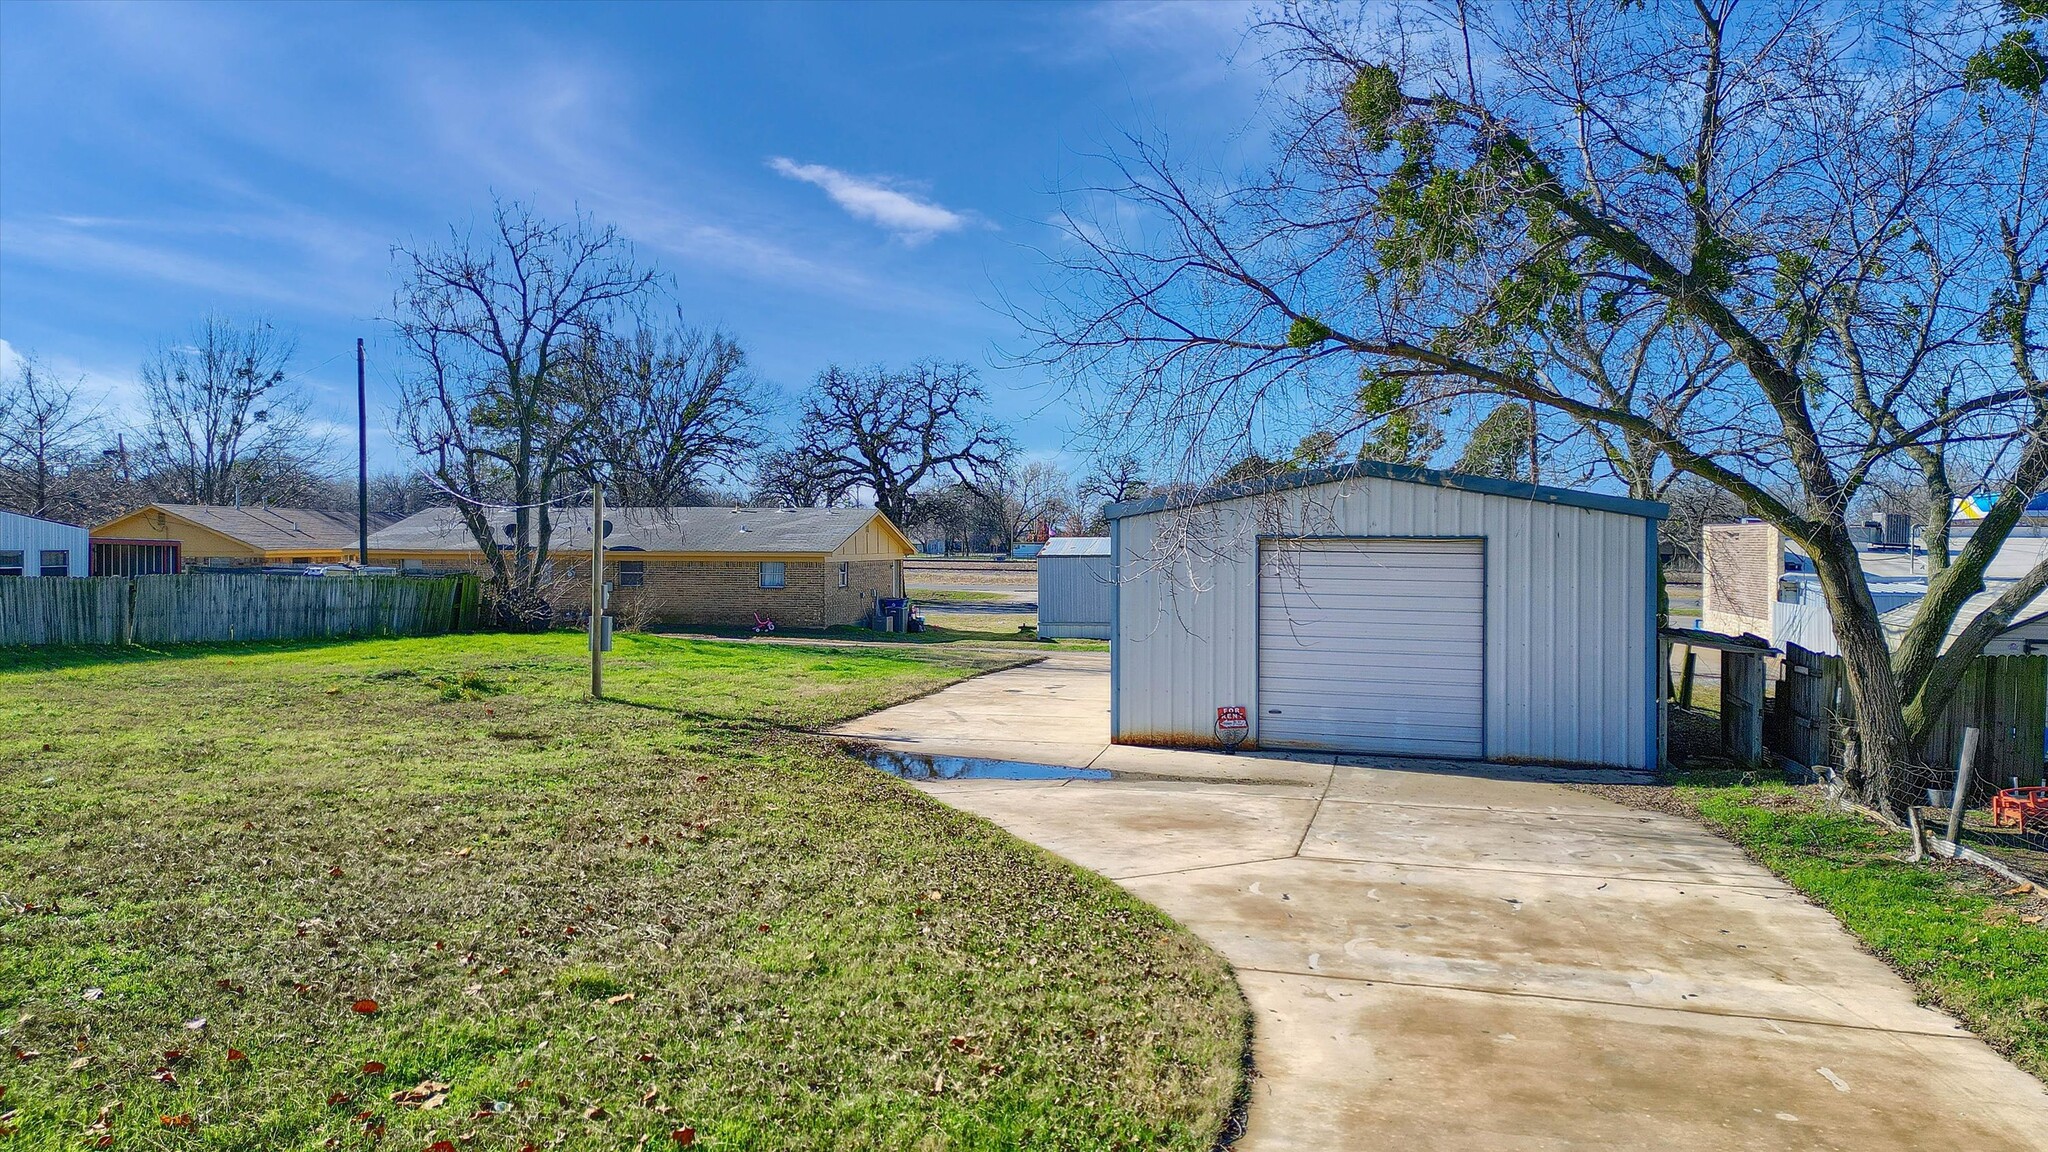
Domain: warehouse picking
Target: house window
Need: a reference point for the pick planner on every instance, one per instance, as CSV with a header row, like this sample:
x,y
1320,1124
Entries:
x,y
845,574
772,574
632,573
10,563
56,561
302,559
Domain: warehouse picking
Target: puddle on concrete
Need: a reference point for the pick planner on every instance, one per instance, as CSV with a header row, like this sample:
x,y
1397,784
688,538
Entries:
x,y
921,766
916,766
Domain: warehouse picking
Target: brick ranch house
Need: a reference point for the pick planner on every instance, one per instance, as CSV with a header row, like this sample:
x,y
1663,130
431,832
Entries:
x,y
801,567
195,537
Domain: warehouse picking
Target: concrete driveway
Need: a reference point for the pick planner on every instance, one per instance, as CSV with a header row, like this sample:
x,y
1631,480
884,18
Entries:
x,y
1446,957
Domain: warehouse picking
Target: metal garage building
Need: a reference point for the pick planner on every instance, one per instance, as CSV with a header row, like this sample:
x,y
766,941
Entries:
x,y
1076,588
1376,608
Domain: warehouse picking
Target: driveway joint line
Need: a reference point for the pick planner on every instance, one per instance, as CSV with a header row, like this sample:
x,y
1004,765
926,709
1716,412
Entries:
x,y
1758,886
1503,809
1328,780
1197,868
1718,1013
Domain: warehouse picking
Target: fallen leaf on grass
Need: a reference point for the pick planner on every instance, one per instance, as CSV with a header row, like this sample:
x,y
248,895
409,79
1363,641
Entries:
x,y
79,1063
2030,919
2021,890
461,851
337,1099
595,1112
181,1120
235,1054
441,1146
334,872
195,1025
95,993
621,998
425,1094
373,1067
366,1007
684,1136
26,1054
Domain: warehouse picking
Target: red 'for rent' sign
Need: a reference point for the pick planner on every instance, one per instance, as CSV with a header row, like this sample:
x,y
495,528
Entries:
x,y
1231,716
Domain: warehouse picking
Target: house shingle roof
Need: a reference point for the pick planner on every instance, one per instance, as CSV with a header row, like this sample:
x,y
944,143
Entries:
x,y
271,529
697,530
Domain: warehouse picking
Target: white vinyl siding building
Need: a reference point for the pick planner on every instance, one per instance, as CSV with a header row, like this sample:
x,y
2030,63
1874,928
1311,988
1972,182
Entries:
x,y
1076,588
1372,608
34,547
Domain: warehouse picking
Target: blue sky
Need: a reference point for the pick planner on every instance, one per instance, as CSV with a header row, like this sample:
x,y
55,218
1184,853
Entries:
x,y
831,183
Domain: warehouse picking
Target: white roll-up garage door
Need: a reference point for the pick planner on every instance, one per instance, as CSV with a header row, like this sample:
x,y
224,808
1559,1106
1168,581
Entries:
x,y
1373,646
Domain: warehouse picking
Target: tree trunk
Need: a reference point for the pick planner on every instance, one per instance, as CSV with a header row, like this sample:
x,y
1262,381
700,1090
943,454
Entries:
x,y
1885,761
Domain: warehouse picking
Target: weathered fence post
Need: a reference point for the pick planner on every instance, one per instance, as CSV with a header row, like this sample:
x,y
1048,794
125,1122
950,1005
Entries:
x,y
1967,761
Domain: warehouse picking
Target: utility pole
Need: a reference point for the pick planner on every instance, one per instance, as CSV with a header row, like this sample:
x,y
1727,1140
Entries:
x,y
362,462
597,590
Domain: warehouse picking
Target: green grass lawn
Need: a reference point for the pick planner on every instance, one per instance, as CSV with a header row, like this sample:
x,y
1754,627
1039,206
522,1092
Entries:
x,y
958,595
671,914
975,629
1969,944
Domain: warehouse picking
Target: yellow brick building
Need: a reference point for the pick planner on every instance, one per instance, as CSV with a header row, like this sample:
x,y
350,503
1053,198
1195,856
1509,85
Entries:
x,y
800,567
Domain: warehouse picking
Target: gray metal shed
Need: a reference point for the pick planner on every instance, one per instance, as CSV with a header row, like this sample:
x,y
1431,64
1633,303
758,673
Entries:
x,y
34,547
1374,608
1076,588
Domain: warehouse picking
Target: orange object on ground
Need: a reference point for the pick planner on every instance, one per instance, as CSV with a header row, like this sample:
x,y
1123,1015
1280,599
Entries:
x,y
2021,804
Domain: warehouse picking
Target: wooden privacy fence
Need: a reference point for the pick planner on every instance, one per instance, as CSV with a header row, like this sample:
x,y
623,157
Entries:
x,y
2004,697
202,607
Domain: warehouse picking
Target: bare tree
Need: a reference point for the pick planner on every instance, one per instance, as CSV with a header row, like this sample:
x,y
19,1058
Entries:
x,y
892,432
788,478
952,513
670,404
1020,496
224,421
1115,478
1852,216
494,402
47,440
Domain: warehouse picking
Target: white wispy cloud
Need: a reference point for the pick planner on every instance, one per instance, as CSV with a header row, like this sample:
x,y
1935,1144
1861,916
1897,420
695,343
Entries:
x,y
909,218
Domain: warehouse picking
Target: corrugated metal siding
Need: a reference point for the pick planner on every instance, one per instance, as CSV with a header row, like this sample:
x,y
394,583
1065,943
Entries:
x,y
32,536
1075,596
1568,656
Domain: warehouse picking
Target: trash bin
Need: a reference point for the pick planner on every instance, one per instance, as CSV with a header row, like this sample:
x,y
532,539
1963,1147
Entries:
x,y
895,613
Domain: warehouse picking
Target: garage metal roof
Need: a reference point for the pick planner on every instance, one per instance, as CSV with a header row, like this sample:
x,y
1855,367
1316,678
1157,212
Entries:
x,y
1075,546
1380,470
